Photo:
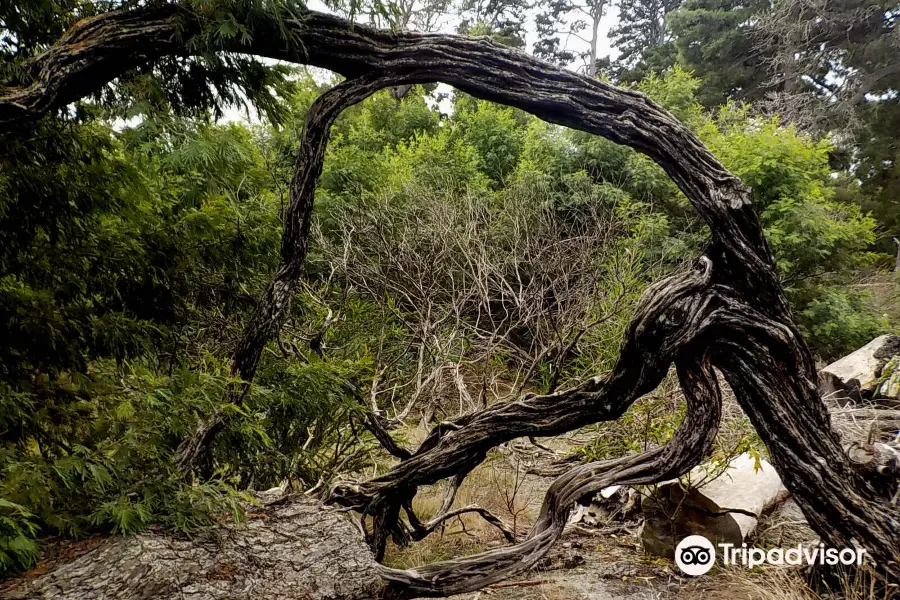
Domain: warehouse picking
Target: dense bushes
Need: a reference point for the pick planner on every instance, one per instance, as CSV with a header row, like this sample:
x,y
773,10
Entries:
x,y
129,262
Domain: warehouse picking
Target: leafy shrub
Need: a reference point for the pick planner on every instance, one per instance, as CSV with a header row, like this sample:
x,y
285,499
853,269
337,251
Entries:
x,y
840,320
18,548
488,245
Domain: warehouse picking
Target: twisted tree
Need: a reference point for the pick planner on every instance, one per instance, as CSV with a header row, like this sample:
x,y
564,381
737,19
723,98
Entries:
x,y
730,313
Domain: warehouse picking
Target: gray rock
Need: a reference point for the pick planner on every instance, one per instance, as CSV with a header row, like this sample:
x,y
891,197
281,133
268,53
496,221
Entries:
x,y
615,503
723,510
862,375
786,526
292,549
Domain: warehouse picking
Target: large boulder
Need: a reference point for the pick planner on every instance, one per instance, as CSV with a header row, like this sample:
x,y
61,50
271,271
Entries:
x,y
724,510
870,372
292,548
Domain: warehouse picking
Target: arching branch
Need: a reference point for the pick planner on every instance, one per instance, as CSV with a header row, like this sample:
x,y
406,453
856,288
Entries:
x,y
671,315
98,49
691,443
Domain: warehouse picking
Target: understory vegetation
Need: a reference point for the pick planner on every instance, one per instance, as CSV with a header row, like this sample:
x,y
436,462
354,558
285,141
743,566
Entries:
x,y
462,254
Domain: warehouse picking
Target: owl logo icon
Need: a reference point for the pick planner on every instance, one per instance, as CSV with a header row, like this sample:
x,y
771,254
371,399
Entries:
x,y
695,555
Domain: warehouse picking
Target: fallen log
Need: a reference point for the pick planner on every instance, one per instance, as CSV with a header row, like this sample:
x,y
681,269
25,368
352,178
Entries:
x,y
293,548
725,509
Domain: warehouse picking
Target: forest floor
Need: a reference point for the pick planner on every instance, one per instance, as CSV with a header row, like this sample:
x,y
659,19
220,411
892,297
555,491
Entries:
x,y
591,562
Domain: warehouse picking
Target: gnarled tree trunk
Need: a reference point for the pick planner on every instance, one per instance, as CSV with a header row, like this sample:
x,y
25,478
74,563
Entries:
x,y
731,313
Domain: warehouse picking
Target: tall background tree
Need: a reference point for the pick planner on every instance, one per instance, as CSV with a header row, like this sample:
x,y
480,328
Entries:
x,y
644,39
833,69
563,20
714,40
827,68
502,20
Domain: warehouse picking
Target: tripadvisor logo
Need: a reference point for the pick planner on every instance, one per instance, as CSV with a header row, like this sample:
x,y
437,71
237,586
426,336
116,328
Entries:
x,y
696,555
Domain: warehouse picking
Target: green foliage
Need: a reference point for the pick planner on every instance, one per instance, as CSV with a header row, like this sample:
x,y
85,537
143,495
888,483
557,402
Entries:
x,y
649,423
384,122
501,20
110,466
677,91
128,261
496,137
714,40
208,80
790,60
18,549
444,163
819,242
643,39
837,319
293,424
878,170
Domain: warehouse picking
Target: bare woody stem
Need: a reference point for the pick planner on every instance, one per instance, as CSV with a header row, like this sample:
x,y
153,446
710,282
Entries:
x,y
690,444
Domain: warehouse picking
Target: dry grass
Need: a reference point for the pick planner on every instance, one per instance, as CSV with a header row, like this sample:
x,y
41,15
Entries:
x,y
784,527
862,584
499,485
736,584
885,290
785,583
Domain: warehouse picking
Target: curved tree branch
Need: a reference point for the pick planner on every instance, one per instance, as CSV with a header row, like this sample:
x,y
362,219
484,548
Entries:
x,y
669,316
771,373
98,49
275,303
691,443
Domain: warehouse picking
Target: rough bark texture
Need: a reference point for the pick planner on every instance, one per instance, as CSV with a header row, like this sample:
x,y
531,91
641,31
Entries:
x,y
668,319
290,550
731,314
691,442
